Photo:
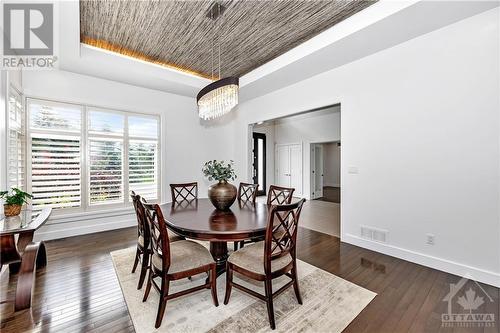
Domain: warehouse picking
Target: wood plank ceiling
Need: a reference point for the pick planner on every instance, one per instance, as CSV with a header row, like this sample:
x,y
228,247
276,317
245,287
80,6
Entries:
x,y
179,34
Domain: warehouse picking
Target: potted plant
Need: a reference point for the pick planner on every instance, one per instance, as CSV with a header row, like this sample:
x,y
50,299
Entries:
x,y
222,194
14,201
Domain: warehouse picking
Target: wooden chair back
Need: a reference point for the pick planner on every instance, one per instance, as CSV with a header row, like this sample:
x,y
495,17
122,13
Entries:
x,y
142,225
281,232
278,195
184,192
160,244
247,193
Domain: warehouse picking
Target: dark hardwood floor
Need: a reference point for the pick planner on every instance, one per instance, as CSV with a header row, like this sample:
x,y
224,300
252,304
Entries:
x,y
79,291
331,194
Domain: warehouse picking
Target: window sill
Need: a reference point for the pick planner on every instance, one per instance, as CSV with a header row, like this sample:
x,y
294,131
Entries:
x,y
90,215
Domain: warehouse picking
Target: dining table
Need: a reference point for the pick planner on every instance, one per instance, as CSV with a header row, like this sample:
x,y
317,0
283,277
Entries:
x,y
18,250
198,219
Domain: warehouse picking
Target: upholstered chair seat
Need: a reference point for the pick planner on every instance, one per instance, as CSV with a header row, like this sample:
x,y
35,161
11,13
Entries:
x,y
251,258
171,237
184,255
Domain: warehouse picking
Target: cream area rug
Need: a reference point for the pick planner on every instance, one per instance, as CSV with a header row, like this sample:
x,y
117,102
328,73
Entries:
x,y
329,303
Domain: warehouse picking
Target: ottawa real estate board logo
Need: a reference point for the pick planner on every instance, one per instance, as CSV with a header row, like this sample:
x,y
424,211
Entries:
x,y
469,306
28,36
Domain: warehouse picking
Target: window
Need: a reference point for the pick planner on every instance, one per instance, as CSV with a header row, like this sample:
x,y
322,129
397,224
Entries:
x,y
105,145
16,141
84,158
56,154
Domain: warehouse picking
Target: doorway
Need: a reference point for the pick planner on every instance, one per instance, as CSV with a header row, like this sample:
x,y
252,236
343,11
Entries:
x,y
259,162
325,171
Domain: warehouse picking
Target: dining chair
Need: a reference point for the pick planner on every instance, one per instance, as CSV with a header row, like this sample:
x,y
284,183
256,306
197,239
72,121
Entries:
x,y
143,239
278,195
172,261
143,251
247,193
184,192
267,260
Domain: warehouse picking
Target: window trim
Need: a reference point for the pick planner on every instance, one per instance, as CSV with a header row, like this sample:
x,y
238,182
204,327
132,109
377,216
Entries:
x,y
10,88
84,135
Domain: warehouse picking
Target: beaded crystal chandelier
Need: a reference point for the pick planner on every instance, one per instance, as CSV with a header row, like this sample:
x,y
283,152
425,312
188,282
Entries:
x,y
220,96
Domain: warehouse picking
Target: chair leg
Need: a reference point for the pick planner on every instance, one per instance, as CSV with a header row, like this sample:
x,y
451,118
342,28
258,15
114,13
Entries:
x,y
229,282
163,301
235,247
136,261
269,302
148,285
144,269
296,283
213,284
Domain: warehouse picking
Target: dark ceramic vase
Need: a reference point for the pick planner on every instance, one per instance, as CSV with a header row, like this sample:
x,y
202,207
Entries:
x,y
222,195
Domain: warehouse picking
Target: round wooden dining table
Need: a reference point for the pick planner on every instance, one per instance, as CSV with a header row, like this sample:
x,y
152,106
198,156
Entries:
x,y
198,219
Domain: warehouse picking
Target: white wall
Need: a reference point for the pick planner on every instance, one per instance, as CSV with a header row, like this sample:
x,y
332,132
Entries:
x,y
432,106
186,142
268,130
314,127
331,164
3,130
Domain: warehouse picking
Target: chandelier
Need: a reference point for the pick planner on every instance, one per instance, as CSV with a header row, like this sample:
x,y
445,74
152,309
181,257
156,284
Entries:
x,y
220,96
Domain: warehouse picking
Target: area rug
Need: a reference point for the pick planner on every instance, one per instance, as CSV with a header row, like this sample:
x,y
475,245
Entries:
x,y
330,303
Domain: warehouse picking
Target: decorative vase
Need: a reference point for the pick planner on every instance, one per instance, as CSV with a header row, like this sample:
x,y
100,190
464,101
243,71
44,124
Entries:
x,y
12,210
222,195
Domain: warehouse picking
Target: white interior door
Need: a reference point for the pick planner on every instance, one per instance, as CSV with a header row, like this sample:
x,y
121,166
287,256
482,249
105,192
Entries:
x,y
318,171
283,165
296,169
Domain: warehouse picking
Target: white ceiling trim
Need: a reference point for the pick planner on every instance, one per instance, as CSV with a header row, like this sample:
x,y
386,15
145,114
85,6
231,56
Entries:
x,y
356,22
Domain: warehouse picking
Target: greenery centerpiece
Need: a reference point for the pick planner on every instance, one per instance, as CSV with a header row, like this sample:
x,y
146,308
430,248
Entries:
x,y
14,201
222,194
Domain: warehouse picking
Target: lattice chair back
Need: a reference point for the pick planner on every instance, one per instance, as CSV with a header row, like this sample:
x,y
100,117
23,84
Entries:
x,y
160,244
278,195
247,193
185,192
142,225
281,232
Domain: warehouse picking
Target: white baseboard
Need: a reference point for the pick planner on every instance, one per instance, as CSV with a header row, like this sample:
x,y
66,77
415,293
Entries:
x,y
81,227
444,265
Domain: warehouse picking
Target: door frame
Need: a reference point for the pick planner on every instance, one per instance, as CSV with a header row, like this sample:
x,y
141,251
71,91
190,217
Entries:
x,y
255,178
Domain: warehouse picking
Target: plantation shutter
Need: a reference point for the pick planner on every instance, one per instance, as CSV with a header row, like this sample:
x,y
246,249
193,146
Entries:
x,y
16,164
106,154
55,141
143,156
142,161
55,167
106,171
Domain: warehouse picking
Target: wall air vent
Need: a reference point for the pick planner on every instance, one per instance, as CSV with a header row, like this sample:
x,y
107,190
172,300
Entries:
x,y
374,234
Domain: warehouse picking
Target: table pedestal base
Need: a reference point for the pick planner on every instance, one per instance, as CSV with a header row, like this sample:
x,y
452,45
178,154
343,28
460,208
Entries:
x,y
219,253
22,259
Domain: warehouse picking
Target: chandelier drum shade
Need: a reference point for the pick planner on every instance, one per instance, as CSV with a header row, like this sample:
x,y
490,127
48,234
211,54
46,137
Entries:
x,y
218,98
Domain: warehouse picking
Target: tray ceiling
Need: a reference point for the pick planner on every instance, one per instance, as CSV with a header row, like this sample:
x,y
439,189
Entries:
x,y
179,34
